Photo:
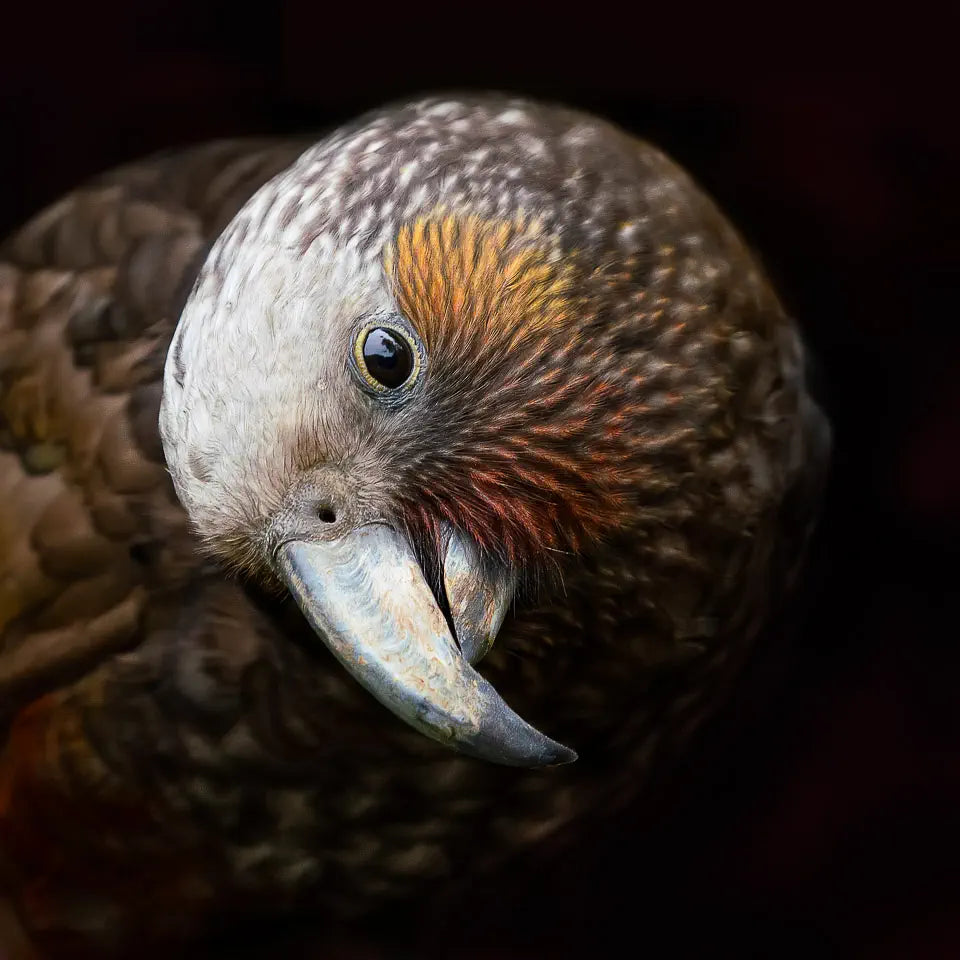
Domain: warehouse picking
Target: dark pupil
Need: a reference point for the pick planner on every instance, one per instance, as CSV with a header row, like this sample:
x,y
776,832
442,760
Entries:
x,y
388,357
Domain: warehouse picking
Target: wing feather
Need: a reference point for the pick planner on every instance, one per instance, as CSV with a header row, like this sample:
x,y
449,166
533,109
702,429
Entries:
x,y
90,291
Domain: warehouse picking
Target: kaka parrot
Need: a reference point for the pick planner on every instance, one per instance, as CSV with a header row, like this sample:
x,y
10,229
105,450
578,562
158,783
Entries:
x,y
477,407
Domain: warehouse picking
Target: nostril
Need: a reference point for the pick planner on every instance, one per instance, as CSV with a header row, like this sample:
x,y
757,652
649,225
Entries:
x,y
326,513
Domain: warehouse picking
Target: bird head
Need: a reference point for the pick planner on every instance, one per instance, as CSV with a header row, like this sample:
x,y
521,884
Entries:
x,y
452,346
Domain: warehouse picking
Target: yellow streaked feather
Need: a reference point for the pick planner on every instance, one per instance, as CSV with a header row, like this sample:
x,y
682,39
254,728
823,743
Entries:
x,y
459,278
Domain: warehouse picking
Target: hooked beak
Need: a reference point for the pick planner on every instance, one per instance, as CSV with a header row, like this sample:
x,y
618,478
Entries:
x,y
366,597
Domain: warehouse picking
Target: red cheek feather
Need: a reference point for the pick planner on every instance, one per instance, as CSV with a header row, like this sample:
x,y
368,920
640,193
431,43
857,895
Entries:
x,y
520,515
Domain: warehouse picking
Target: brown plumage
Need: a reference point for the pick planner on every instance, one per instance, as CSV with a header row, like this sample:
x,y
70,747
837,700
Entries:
x,y
612,404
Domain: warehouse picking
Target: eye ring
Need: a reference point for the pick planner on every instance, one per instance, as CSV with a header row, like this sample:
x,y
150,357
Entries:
x,y
388,358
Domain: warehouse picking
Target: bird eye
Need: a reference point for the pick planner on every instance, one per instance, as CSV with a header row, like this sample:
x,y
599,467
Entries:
x,y
386,357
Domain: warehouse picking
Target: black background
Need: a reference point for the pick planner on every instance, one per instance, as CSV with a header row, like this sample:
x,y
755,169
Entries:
x,y
832,824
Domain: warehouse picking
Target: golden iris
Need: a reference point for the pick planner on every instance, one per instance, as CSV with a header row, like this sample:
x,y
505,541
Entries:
x,y
386,357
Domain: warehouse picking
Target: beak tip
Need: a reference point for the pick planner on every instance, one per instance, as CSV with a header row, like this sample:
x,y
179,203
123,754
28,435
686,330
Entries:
x,y
557,755
519,745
